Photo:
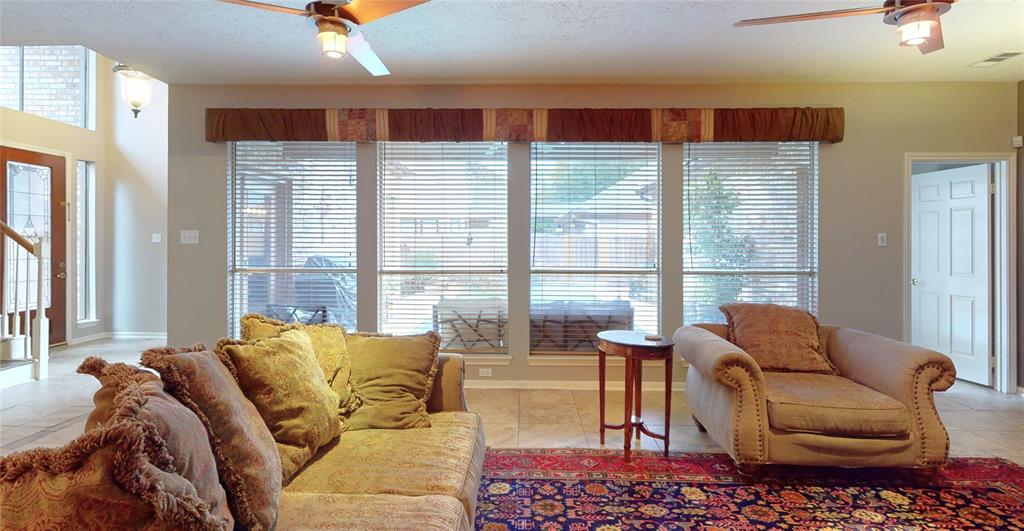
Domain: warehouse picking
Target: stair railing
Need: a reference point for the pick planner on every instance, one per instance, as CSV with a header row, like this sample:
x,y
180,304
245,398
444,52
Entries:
x,y
35,342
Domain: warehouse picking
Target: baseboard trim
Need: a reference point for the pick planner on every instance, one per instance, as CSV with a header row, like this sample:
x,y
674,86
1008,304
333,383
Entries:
x,y
139,335
116,335
571,385
88,338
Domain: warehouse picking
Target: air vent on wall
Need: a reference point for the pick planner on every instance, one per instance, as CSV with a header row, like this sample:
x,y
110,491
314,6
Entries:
x,y
995,59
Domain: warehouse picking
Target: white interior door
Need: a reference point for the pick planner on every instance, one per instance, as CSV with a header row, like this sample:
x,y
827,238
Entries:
x,y
950,267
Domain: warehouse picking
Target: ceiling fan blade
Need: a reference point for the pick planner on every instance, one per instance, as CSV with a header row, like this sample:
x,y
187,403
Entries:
x,y
359,48
267,7
934,43
812,16
364,11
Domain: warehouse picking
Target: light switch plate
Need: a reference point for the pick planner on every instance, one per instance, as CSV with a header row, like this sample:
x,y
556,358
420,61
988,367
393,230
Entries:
x,y
157,237
1017,141
190,237
883,239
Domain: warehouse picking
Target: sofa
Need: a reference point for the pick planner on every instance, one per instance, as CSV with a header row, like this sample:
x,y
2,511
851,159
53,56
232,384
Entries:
x,y
877,411
423,478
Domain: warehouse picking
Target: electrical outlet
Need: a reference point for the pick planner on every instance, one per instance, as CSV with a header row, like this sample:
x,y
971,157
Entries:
x,y
156,237
883,239
485,372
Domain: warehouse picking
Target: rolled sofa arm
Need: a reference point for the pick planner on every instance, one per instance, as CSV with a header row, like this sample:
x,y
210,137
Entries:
x,y
448,392
726,393
717,359
905,372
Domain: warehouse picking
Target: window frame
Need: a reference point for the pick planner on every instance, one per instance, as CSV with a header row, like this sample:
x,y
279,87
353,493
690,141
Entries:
x,y
87,78
384,269
669,274
655,272
234,270
811,274
85,253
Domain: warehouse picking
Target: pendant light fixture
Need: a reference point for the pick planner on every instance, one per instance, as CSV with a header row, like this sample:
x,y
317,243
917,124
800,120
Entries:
x,y
136,87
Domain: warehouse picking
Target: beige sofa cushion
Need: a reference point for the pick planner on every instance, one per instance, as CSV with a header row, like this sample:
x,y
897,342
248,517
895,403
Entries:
x,y
446,458
394,375
386,512
831,405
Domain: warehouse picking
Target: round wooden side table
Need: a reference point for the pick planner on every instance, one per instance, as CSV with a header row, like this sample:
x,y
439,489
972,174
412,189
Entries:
x,y
632,346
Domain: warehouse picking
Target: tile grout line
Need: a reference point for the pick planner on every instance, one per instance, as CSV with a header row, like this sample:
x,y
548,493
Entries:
x,y
43,432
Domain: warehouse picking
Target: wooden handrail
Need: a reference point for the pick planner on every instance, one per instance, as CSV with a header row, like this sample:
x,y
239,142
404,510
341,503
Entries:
x,y
21,240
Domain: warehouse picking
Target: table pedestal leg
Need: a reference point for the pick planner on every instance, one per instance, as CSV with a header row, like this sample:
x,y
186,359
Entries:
x,y
600,388
638,373
628,423
668,401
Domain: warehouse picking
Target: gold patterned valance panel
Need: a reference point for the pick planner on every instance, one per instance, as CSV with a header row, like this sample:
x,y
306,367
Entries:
x,y
670,125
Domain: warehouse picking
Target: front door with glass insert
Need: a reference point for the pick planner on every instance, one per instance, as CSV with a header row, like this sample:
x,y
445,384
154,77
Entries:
x,y
33,202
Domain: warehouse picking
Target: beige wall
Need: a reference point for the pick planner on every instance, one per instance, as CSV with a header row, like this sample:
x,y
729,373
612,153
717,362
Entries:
x,y
861,191
137,195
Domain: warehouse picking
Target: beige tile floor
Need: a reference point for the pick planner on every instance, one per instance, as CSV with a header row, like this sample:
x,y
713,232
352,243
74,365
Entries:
x,y
51,412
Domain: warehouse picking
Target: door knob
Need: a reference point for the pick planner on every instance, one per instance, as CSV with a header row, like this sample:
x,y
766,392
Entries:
x,y
914,281
62,275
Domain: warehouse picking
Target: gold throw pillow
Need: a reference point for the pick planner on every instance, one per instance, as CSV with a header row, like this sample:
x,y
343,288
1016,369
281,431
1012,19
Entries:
x,y
329,346
394,375
779,338
282,378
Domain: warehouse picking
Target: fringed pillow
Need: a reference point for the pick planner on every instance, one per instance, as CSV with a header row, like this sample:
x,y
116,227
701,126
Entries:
x,y
779,338
118,475
180,430
247,459
329,345
394,375
282,378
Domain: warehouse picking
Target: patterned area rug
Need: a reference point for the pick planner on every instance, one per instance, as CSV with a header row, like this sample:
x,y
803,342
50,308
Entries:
x,y
580,490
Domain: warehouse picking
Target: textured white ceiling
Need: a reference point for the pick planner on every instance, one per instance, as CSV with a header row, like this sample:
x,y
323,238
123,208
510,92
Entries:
x,y
472,41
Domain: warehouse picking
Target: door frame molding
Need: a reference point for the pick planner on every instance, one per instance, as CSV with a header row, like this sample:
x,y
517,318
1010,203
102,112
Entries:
x,y
70,231
1003,281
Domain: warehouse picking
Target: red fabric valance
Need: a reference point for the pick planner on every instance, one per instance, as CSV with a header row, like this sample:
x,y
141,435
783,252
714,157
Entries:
x,y
672,125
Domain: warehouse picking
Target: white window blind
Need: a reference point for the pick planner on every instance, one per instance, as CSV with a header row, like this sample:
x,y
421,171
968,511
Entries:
x,y
750,226
292,240
443,242
596,219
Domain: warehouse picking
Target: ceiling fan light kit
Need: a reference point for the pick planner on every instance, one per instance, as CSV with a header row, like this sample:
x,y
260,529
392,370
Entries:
x,y
917,21
339,23
333,37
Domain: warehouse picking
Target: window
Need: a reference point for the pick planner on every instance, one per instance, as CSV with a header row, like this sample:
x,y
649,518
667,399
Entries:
x,y
292,222
595,239
86,249
443,242
750,226
48,81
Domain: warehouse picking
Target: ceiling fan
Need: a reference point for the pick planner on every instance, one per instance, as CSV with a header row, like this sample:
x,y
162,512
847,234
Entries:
x,y
338,25
916,20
